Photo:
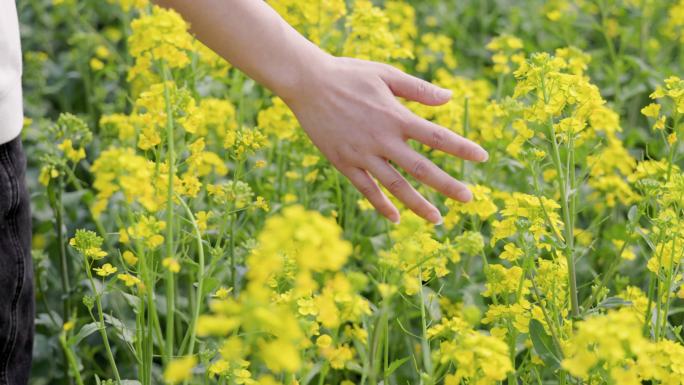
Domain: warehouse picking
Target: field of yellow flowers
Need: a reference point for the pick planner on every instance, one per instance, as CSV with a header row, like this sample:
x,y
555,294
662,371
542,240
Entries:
x,y
188,232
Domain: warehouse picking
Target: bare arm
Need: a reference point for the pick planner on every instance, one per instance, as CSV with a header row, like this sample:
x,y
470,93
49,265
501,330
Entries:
x,y
346,106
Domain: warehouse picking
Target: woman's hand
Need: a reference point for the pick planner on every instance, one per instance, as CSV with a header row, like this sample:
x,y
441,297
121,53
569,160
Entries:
x,y
349,110
346,106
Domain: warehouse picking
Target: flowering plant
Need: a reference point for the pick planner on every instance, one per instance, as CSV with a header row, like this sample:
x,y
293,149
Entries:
x,y
201,238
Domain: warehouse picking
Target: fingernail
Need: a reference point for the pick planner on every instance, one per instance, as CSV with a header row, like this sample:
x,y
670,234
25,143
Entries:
x,y
464,195
483,155
435,217
444,93
395,219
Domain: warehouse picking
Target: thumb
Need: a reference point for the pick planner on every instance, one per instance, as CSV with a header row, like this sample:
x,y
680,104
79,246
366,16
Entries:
x,y
412,88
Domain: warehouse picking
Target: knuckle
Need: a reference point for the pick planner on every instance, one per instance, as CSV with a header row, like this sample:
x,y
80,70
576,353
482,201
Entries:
x,y
439,137
469,151
366,189
402,119
452,188
397,185
434,92
387,69
348,153
336,158
420,169
421,88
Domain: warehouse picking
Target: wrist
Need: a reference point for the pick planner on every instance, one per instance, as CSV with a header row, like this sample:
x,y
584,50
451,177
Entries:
x,y
304,77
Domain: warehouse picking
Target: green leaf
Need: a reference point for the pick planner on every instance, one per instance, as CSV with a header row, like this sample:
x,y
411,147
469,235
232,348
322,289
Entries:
x,y
85,331
209,285
125,332
632,214
395,365
544,346
132,300
613,302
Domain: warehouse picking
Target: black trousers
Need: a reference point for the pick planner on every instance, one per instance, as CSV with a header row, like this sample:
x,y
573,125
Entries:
x,y
16,271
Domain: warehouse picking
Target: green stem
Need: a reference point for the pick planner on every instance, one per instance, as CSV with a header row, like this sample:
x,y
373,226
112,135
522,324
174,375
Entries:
x,y
425,344
102,328
565,208
200,278
466,126
63,262
567,218
169,278
673,147
71,359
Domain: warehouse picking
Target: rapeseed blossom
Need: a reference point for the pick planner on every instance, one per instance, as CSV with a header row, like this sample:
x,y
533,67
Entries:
x,y
478,358
105,270
89,244
613,343
239,255
159,36
179,370
121,170
315,19
370,37
506,51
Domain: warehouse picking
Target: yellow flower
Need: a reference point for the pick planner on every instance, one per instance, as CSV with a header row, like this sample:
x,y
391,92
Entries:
x,y
217,325
102,52
479,359
338,357
161,35
261,203
369,35
243,376
219,367
481,205
68,326
223,293
129,280
504,48
501,281
130,258
119,169
307,306
315,19
278,120
96,64
652,110
202,162
106,270
604,341
88,243
171,264
147,230
71,153
313,240
47,173
310,160
435,49
324,341
280,356
511,252
179,369
672,138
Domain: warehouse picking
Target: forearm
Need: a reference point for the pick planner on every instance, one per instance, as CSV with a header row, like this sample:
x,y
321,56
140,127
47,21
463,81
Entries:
x,y
255,39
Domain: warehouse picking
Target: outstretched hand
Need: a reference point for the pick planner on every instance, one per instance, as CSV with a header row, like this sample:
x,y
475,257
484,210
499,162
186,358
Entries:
x,y
350,112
